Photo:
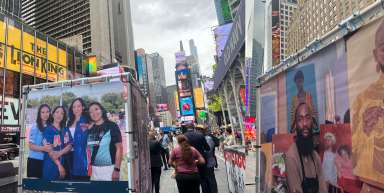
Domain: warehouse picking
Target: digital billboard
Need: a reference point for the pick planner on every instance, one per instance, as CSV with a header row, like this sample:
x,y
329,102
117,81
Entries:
x,y
184,83
161,107
198,97
186,106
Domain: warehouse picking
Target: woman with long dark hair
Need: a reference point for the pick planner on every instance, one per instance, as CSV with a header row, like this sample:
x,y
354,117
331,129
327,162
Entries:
x,y
76,161
185,159
36,147
105,143
59,137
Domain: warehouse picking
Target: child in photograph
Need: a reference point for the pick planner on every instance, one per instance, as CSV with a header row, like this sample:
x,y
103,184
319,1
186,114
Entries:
x,y
36,147
346,180
105,144
328,165
59,137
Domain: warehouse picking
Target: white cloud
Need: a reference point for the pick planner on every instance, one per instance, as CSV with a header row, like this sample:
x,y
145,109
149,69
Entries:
x,y
159,25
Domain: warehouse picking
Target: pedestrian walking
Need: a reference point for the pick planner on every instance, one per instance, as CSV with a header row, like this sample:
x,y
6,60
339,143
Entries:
x,y
164,140
210,159
185,159
155,149
229,138
197,140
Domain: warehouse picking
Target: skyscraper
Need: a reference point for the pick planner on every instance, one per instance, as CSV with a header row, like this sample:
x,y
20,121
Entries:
x,y
100,27
193,49
11,7
223,12
156,79
313,19
233,6
287,8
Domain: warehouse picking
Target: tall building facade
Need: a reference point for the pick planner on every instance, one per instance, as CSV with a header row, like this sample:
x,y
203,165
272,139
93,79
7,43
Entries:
x,y
100,27
11,7
223,12
193,49
156,79
234,6
287,8
171,93
312,19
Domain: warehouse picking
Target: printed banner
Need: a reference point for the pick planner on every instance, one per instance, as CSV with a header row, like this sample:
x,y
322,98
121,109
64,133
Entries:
x,y
235,162
337,93
86,124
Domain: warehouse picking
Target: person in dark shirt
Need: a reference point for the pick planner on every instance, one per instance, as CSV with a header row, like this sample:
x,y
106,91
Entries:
x,y
197,140
105,144
155,156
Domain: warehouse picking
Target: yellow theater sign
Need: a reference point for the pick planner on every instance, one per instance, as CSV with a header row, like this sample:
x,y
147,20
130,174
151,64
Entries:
x,y
29,55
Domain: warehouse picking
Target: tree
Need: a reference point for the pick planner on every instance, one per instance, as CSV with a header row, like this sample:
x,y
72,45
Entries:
x,y
88,99
32,103
67,98
112,102
52,101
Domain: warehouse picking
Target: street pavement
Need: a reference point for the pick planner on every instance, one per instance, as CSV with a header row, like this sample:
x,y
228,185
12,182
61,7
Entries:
x,y
168,184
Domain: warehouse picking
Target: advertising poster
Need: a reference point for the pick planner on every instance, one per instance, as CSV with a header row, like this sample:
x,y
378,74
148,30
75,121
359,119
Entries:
x,y
366,93
301,88
161,107
180,57
221,36
235,162
198,98
81,130
186,106
184,83
342,88
281,144
265,167
275,32
335,150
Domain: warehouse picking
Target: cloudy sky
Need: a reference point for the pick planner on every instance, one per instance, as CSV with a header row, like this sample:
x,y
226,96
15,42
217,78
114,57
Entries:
x,y
159,25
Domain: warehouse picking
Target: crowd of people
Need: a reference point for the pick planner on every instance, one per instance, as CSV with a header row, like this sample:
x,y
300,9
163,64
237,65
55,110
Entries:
x,y
81,144
191,154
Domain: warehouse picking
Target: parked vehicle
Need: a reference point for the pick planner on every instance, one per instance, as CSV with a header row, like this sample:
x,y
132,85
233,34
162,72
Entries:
x,y
9,151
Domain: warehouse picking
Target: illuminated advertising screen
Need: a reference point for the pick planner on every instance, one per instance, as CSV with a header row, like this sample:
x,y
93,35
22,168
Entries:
x,y
184,83
186,106
161,107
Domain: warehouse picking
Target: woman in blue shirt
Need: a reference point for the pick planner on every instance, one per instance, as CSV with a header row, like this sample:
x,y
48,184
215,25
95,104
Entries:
x,y
60,139
36,147
78,127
